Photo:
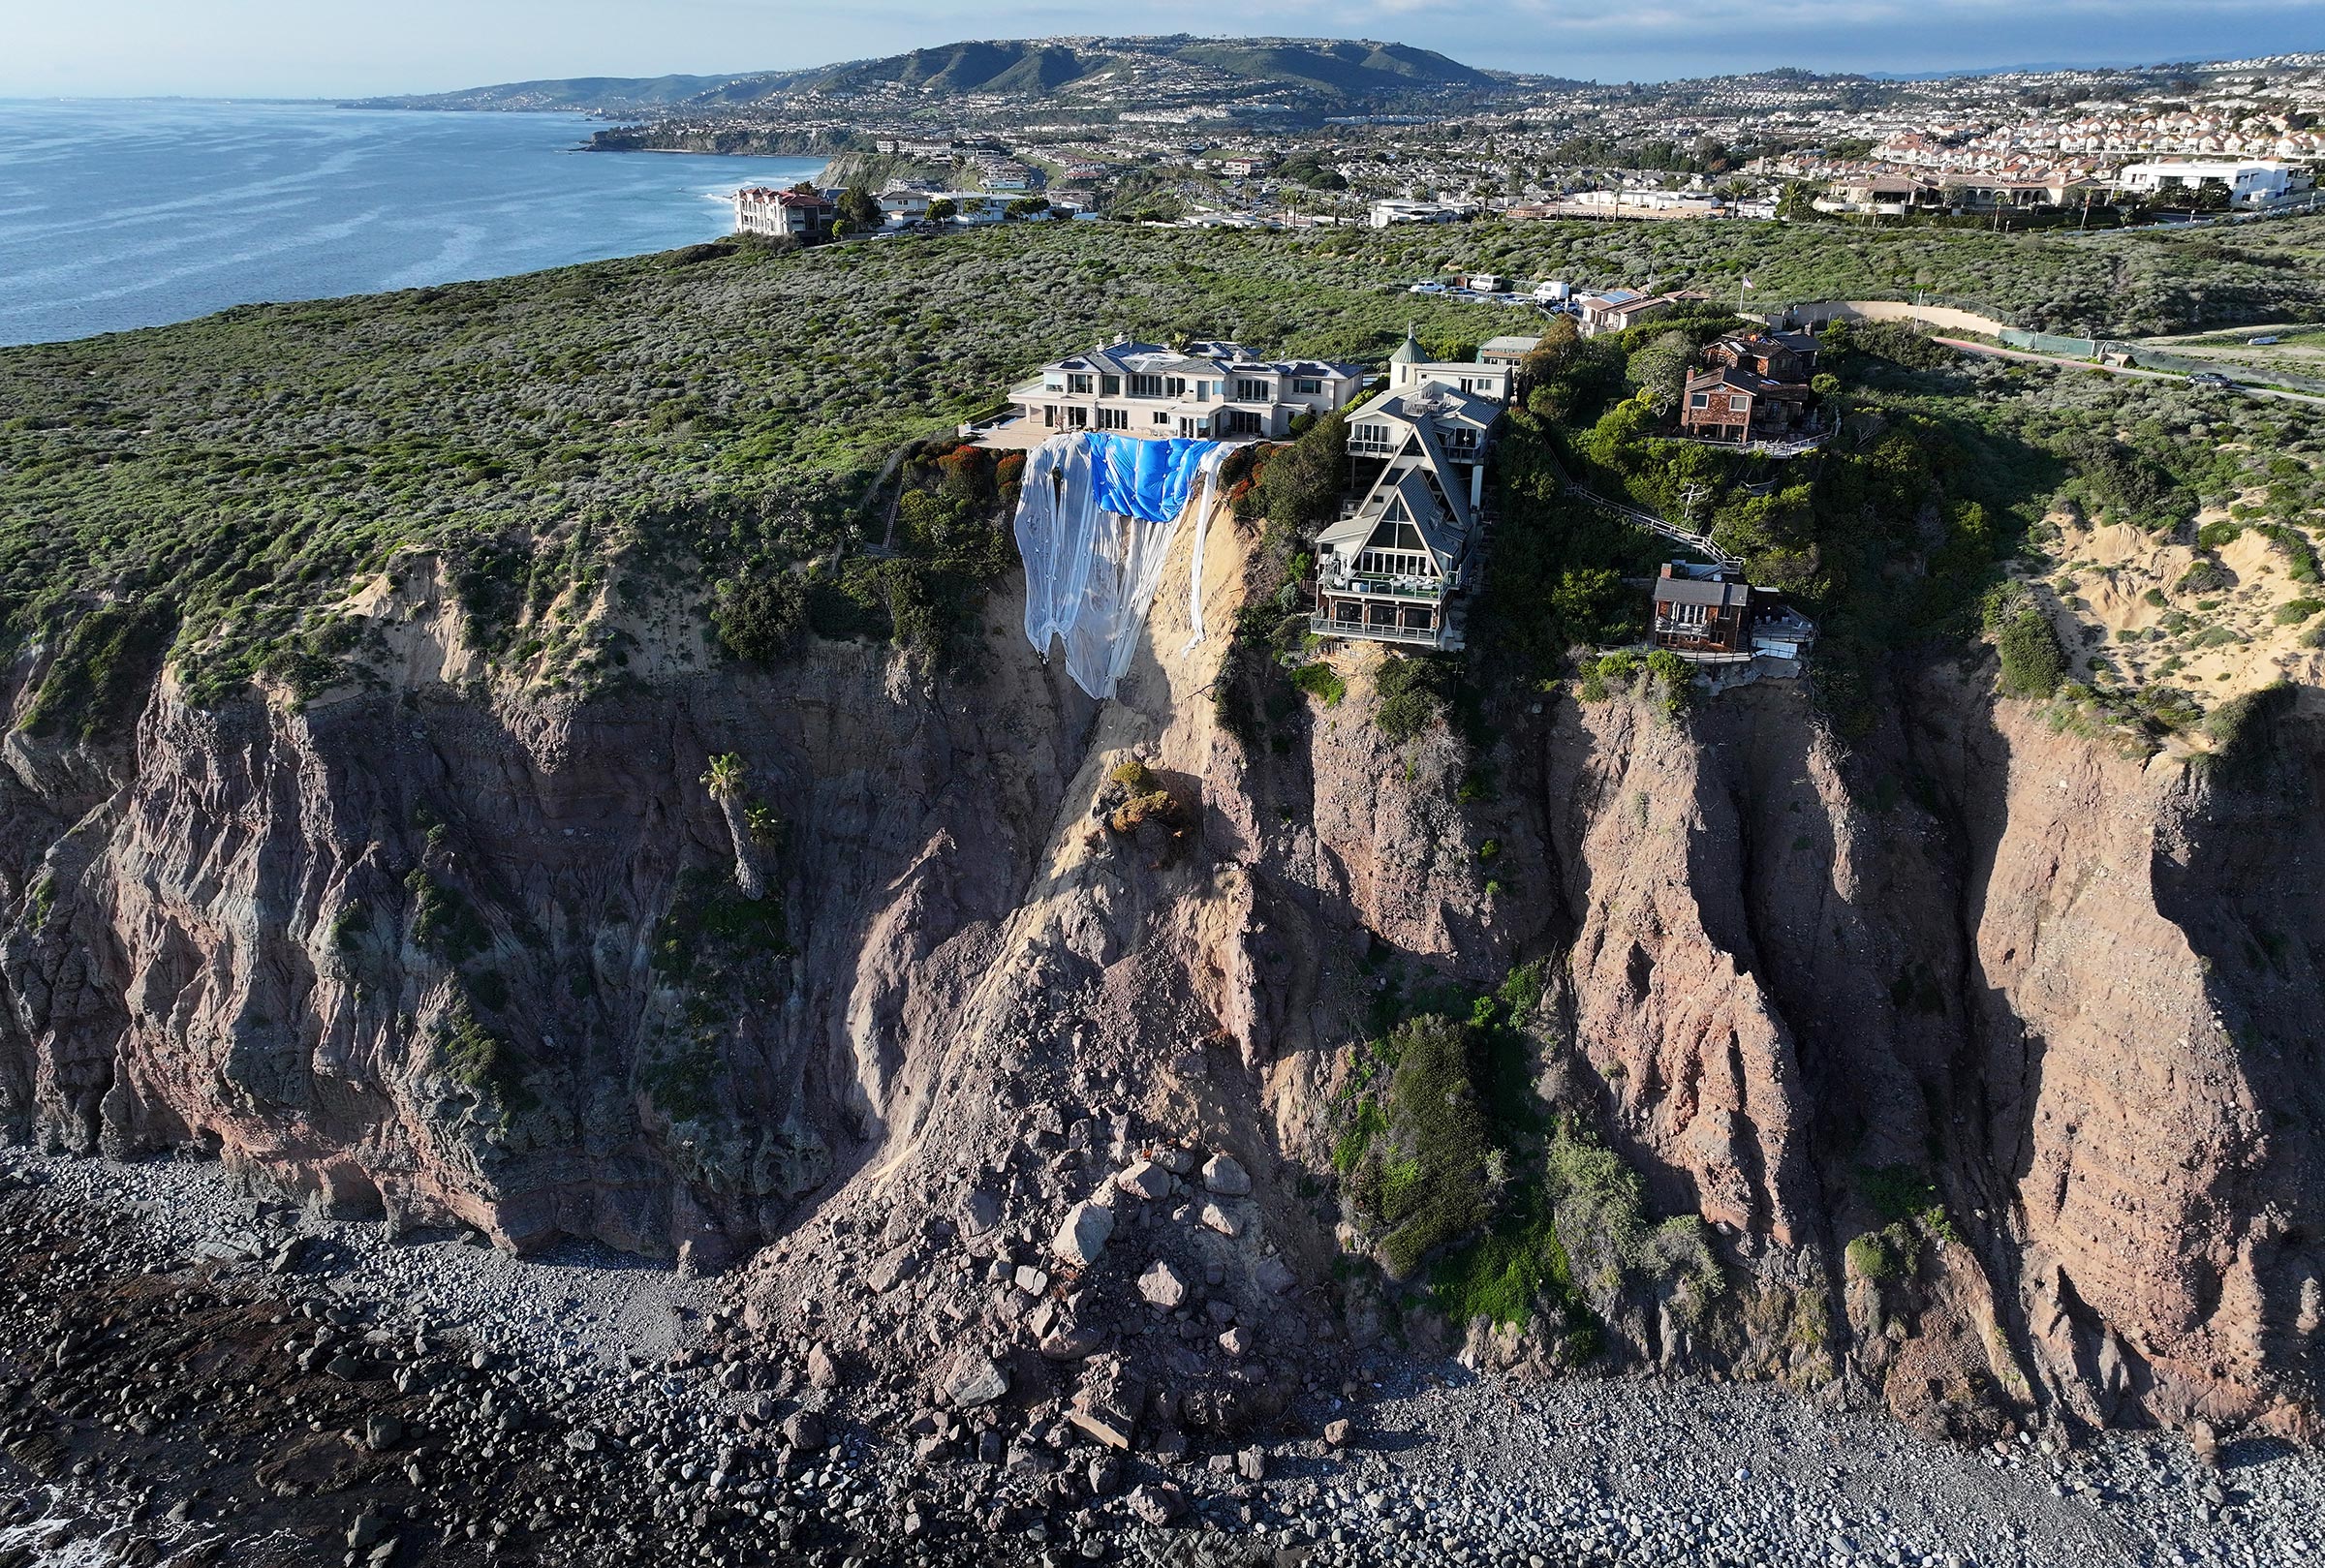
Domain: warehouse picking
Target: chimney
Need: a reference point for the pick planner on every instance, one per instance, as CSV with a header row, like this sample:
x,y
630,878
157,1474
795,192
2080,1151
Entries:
x,y
1666,568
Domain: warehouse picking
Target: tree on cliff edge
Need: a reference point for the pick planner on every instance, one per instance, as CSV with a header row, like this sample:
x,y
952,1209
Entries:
x,y
724,779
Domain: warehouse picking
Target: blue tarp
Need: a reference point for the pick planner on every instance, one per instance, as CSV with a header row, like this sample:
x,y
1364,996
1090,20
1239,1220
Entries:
x,y
1146,479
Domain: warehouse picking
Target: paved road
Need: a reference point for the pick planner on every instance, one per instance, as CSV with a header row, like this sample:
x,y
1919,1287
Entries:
x,y
2063,363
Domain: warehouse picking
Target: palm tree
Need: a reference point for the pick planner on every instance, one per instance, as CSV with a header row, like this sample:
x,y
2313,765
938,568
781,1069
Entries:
x,y
724,779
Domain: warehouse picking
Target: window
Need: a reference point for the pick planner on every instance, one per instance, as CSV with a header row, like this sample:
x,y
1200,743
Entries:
x,y
1461,440
1162,417
1700,400
1174,386
1307,384
1146,386
1738,405
1109,385
1245,422
1077,383
1370,438
1249,390
1399,534
1113,418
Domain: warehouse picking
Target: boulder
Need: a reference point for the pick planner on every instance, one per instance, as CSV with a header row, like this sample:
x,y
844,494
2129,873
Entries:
x,y
804,1431
980,1211
1339,1432
1071,1340
1106,1404
1144,1179
823,1371
1157,1502
1162,1286
1273,1277
1082,1237
973,1379
896,1265
1226,1175
1236,1341
1214,1217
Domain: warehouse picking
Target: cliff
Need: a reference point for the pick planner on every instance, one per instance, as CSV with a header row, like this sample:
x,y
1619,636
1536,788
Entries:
x,y
1981,1050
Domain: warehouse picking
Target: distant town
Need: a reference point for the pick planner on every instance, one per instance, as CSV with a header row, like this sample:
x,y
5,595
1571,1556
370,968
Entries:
x,y
1159,140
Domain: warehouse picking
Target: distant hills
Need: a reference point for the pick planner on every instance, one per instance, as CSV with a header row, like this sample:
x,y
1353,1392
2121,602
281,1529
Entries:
x,y
1353,75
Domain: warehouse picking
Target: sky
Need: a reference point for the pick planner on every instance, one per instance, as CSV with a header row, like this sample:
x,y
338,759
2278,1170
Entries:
x,y
325,48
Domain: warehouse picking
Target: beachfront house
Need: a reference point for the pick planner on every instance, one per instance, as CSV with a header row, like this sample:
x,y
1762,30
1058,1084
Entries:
x,y
1398,565
1709,615
1214,390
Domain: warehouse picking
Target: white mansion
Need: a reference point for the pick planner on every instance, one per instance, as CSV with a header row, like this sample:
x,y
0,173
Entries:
x,y
1214,389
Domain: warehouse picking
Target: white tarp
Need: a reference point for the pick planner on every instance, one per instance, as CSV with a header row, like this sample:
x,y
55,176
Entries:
x,y
1091,570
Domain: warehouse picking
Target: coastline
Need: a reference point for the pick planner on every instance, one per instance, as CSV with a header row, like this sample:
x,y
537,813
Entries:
x,y
201,1374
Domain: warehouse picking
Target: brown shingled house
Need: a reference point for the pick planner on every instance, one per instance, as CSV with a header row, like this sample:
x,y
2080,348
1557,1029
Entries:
x,y
1754,387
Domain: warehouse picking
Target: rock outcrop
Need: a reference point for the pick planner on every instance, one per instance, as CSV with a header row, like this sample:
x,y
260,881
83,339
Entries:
x,y
1023,1076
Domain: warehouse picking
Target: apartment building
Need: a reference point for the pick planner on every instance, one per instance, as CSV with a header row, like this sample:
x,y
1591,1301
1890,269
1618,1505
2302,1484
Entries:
x,y
2248,183
802,215
1213,388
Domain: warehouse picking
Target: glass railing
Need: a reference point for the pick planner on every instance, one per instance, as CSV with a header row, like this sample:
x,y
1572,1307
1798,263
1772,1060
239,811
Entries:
x,y
1324,625
1381,588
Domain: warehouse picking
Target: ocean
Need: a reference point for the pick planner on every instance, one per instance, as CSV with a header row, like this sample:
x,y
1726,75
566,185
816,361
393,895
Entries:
x,y
117,214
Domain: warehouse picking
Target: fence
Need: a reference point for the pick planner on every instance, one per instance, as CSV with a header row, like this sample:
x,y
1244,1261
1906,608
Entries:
x,y
2052,342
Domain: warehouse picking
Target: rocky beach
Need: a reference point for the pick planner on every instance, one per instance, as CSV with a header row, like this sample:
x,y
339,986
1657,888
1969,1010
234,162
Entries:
x,y
195,1375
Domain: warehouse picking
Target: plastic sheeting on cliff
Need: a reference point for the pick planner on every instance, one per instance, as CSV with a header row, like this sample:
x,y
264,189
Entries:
x,y
1095,516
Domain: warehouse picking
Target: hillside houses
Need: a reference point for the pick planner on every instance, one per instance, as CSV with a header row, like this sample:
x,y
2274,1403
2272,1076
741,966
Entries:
x,y
1617,310
1754,387
1399,563
1709,615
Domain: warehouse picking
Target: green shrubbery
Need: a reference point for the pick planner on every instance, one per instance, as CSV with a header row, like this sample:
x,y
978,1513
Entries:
x,y
1321,682
101,670
1425,1178
2032,664
479,1061
1412,693
1450,1159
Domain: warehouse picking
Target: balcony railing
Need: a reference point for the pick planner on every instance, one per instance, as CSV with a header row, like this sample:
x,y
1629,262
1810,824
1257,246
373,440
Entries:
x,y
1324,625
1381,588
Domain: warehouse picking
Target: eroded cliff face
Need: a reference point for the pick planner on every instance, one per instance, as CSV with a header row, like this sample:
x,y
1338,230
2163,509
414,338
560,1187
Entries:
x,y
462,952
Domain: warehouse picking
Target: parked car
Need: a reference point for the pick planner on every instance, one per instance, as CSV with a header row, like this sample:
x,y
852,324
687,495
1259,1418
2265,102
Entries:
x,y
2209,378
1428,288
2263,341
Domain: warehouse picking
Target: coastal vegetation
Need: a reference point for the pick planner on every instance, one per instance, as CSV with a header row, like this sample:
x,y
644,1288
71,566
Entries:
x,y
719,419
